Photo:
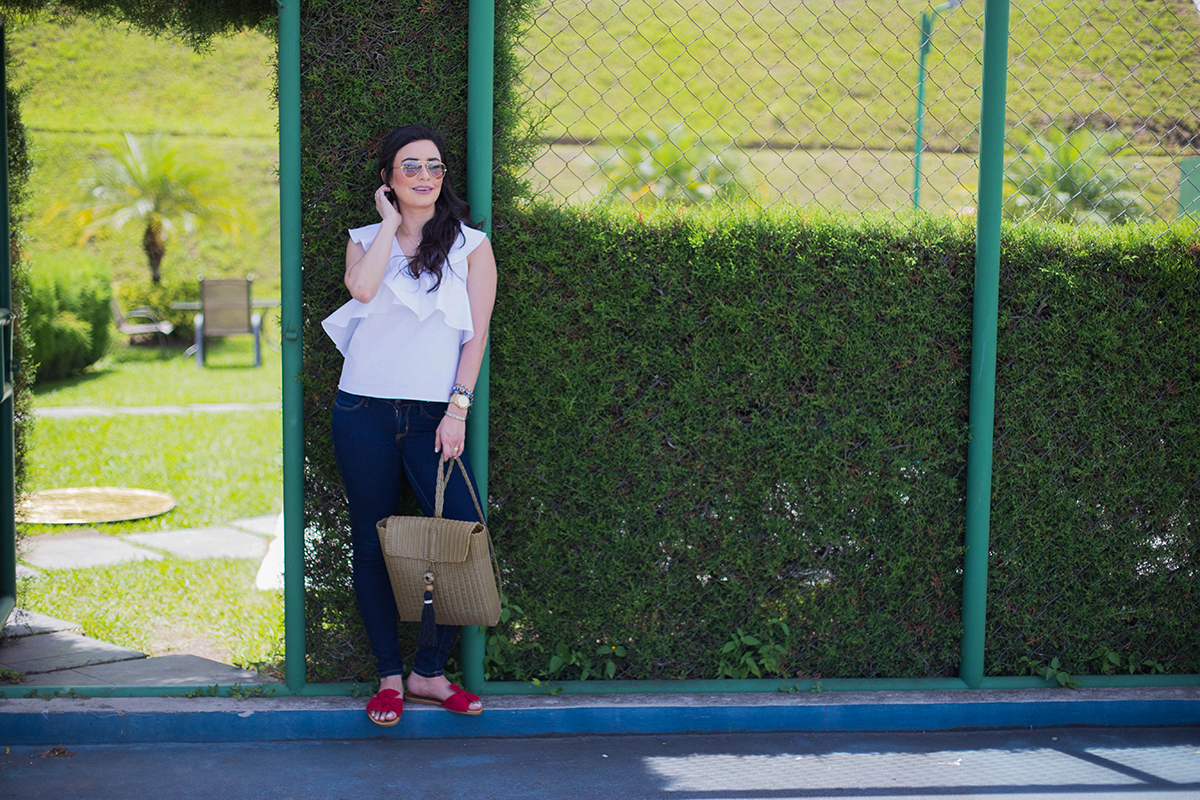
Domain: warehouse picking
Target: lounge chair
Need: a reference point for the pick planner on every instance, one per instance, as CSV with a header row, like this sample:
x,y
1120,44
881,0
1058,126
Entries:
x,y
161,327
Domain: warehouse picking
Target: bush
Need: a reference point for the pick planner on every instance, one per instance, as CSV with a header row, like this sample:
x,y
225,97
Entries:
x,y
69,324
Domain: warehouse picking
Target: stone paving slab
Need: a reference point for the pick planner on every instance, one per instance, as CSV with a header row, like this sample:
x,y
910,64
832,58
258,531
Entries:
x,y
266,525
182,669
113,411
270,571
84,549
196,543
48,652
27,623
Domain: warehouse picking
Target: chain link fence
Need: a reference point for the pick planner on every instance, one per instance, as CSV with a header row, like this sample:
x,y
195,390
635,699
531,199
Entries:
x,y
819,103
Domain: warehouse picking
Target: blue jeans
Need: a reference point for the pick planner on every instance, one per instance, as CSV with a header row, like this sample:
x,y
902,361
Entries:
x,y
376,442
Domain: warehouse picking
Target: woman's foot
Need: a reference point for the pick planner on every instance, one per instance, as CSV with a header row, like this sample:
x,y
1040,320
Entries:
x,y
439,689
388,718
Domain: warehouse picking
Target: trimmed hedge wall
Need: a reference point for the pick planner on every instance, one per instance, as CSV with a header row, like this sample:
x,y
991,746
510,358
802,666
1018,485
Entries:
x,y
20,166
729,445
732,444
368,67
1095,525
711,424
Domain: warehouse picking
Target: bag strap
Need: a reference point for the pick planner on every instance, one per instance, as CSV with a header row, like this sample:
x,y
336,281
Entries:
x,y
443,480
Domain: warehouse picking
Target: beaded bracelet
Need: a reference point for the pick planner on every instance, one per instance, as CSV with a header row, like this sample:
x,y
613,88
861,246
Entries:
x,y
458,388
456,416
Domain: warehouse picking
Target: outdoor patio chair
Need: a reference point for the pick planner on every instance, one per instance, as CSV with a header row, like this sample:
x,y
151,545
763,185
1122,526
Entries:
x,y
155,325
225,310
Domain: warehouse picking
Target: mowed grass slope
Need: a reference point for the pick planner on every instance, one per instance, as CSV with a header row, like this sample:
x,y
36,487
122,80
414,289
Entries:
x,y
844,72
86,84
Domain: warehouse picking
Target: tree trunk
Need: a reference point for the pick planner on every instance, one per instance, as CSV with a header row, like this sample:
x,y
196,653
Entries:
x,y
152,243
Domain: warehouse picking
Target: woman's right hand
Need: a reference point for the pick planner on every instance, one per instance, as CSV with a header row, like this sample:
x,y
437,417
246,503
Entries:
x,y
384,205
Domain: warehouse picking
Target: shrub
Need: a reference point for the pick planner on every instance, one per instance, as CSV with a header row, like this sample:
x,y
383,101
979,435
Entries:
x,y
678,167
69,324
1069,176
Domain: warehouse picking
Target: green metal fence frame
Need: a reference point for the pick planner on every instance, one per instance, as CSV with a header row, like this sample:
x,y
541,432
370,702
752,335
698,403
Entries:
x,y
8,467
479,171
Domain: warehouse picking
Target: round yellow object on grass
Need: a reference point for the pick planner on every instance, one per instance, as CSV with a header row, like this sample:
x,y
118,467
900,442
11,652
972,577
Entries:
x,y
92,504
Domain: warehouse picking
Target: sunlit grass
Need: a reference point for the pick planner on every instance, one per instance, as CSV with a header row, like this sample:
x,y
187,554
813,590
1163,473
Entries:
x,y
217,467
143,376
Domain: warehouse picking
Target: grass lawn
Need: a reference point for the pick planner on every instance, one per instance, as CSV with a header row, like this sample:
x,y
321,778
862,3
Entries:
x,y
844,72
207,608
218,467
141,376
839,178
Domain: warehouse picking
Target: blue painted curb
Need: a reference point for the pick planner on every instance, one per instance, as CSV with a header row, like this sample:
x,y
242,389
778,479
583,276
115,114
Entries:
x,y
131,720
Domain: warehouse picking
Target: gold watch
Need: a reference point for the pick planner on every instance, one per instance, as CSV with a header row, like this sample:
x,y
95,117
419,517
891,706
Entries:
x,y
461,400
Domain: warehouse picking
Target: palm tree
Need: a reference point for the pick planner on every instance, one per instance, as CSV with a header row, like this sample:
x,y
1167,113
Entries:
x,y
1069,176
160,186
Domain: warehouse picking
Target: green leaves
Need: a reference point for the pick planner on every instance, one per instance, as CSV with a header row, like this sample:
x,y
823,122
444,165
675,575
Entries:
x,y
677,166
1069,176
160,187
746,655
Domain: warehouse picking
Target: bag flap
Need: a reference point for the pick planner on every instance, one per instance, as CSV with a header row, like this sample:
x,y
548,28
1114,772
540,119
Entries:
x,y
428,538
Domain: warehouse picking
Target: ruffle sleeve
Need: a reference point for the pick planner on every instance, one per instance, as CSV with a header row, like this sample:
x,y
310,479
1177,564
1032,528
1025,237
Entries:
x,y
400,288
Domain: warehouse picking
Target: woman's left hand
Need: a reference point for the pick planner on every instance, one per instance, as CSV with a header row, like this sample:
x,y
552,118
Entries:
x,y
450,439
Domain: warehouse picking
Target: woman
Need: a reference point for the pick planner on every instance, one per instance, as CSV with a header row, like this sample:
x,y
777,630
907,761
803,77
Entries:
x,y
413,338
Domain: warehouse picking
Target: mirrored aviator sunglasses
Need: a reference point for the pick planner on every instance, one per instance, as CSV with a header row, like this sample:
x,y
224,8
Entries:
x,y
412,169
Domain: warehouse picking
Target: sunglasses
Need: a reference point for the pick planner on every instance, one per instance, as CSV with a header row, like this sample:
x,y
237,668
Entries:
x,y
412,169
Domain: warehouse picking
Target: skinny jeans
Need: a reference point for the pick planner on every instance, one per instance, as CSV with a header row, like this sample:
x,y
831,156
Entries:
x,y
376,442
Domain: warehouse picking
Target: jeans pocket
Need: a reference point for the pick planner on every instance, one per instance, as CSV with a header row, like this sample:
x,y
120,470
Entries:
x,y
348,402
433,411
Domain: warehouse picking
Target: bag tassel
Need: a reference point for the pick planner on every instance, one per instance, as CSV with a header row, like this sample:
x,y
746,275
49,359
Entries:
x,y
427,633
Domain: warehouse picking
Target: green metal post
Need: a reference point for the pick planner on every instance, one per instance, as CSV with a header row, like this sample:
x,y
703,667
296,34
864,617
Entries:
x,y
1189,185
291,314
8,466
926,45
983,339
481,35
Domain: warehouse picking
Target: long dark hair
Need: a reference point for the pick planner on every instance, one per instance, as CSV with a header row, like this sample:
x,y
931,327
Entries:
x,y
450,212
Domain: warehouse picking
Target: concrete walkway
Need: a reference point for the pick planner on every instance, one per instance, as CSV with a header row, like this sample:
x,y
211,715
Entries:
x,y
1097,764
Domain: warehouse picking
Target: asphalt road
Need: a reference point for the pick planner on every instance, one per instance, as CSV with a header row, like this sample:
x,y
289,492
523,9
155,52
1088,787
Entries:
x,y
1073,763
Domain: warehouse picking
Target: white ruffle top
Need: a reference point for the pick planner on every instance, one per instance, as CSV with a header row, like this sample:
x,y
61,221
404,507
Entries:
x,y
405,343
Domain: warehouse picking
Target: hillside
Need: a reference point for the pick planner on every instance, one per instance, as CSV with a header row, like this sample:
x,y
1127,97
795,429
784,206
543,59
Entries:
x,y
86,84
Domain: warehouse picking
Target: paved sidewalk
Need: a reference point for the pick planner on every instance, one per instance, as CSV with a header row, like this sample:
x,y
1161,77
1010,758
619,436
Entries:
x,y
1097,764
114,411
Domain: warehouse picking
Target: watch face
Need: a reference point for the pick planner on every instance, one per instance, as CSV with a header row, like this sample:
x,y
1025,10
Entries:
x,y
461,400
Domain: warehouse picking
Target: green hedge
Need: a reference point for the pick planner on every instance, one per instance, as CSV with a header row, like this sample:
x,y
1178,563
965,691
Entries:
x,y
1095,526
160,296
734,444
362,74
706,424
20,166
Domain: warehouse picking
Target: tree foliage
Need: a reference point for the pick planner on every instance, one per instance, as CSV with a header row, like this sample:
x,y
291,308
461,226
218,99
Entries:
x,y
194,21
158,185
